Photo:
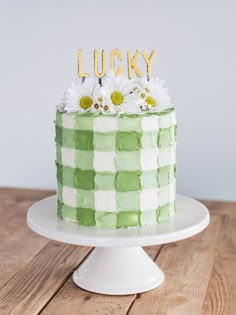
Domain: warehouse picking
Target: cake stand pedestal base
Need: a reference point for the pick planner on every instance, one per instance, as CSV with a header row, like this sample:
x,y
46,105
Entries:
x,y
124,270
118,265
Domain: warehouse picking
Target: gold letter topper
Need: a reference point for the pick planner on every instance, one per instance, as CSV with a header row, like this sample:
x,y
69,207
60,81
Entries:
x,y
132,65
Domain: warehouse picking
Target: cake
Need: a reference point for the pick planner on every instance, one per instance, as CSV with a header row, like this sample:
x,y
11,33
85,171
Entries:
x,y
116,153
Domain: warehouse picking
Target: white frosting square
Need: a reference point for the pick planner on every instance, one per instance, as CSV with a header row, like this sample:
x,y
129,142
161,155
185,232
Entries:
x,y
150,123
69,196
148,217
68,156
148,199
105,201
104,161
173,118
148,159
165,121
172,191
173,155
164,157
68,121
164,195
105,124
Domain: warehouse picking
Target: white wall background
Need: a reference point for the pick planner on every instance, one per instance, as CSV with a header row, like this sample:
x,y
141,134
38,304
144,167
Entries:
x,y
196,55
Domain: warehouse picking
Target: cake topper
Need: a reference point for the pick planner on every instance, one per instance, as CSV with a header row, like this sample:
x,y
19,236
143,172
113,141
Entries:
x,y
112,91
117,56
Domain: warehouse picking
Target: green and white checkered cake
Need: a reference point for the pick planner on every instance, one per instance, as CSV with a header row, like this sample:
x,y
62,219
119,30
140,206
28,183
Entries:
x,y
116,170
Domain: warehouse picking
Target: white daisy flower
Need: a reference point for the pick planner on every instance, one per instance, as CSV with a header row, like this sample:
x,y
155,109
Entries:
x,y
108,109
118,93
152,95
81,97
98,103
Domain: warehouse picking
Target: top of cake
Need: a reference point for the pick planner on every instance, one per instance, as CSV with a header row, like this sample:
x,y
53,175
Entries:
x,y
113,92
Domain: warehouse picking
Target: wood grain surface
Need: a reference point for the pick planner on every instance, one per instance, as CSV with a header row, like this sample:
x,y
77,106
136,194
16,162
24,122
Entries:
x,y
35,273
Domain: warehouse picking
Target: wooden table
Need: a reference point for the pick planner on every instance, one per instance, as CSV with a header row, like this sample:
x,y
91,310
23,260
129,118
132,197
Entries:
x,y
35,273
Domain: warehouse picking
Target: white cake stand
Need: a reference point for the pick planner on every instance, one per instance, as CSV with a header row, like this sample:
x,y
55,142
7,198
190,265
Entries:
x,y
118,265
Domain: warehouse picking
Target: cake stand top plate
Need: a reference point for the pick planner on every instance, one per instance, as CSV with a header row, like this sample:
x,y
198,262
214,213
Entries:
x,y
191,218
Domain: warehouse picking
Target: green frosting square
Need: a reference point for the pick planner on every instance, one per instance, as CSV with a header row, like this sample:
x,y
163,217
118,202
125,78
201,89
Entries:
x,y
59,173
58,154
128,218
59,191
172,175
59,209
68,138
84,122
85,199
104,141
163,213
105,181
128,181
128,160
58,138
149,179
84,159
164,138
163,176
86,216
175,132
69,213
59,119
68,176
148,217
149,139
127,201
129,124
165,111
128,141
84,179
84,140
105,219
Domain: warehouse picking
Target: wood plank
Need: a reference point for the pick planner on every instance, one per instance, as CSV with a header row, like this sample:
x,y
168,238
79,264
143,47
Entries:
x,y
221,292
221,207
187,265
13,208
20,194
70,299
17,242
16,249
36,282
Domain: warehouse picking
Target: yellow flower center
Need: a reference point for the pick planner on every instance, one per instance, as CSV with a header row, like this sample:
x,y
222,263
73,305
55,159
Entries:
x,y
117,98
151,101
86,102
